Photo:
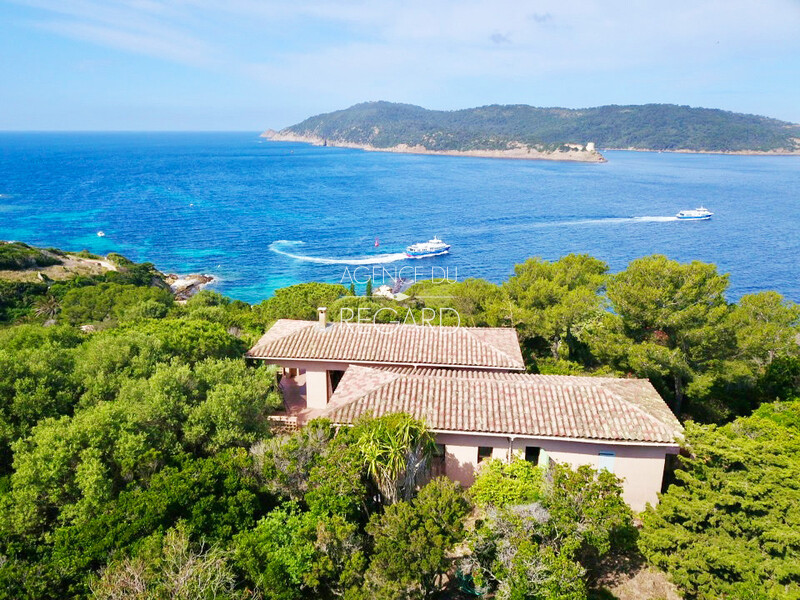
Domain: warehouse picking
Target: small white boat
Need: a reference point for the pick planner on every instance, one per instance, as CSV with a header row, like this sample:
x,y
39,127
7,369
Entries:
x,y
433,247
101,234
698,214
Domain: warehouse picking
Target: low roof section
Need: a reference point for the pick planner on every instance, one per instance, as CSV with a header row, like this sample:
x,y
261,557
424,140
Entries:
x,y
513,404
391,344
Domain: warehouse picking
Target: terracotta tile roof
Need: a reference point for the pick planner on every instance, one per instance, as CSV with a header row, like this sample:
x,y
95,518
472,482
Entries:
x,y
384,343
590,408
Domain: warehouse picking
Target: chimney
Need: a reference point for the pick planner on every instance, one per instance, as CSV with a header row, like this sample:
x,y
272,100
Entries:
x,y
322,313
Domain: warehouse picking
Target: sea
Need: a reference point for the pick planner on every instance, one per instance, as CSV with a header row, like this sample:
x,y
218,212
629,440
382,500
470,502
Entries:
x,y
260,215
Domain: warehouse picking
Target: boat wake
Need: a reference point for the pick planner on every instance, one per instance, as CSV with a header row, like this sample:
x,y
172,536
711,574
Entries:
x,y
285,247
655,219
606,221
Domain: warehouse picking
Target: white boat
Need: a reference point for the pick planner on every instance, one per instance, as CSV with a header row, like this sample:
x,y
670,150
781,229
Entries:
x,y
698,214
101,234
433,247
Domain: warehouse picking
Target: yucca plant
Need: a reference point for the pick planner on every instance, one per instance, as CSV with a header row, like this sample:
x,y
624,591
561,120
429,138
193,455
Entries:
x,y
48,307
396,450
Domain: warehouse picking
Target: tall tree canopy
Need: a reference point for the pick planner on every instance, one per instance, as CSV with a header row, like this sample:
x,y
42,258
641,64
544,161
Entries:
x,y
667,324
549,300
730,526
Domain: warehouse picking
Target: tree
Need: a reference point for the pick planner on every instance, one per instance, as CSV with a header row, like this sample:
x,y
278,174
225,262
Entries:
x,y
313,466
111,300
396,451
291,552
477,302
551,548
234,409
285,462
173,569
37,380
728,527
300,301
668,323
47,307
368,290
413,542
781,380
274,556
551,300
338,484
766,327
212,499
69,468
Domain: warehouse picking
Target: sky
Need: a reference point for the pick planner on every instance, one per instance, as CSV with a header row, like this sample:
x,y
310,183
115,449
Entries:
x,y
255,64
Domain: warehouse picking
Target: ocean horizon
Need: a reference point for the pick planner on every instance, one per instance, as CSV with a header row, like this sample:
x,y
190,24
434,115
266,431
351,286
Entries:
x,y
260,215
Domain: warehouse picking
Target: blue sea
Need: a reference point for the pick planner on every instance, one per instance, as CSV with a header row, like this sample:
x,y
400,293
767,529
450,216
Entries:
x,y
262,215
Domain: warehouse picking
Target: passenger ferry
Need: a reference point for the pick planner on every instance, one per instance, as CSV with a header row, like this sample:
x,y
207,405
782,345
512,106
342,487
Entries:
x,y
433,247
698,214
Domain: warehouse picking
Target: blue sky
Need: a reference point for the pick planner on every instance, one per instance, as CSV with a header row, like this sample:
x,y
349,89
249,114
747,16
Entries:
x,y
253,64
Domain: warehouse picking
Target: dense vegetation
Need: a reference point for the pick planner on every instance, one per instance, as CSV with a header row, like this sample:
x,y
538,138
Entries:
x,y
43,298
16,255
649,126
709,358
730,528
137,459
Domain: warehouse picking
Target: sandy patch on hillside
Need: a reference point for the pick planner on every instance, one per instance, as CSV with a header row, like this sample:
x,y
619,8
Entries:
x,y
71,266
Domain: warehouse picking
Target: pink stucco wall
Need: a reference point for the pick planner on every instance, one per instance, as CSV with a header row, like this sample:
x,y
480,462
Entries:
x,y
641,468
318,383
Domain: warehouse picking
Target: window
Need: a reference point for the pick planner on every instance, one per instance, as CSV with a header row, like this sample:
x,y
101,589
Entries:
x,y
336,377
532,454
438,461
484,452
606,461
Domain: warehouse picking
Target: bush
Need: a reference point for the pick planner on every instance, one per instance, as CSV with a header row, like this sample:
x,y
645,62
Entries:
x,y
414,542
96,303
551,548
16,256
501,484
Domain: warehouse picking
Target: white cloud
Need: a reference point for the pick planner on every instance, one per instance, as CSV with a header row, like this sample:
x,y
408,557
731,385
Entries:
x,y
420,48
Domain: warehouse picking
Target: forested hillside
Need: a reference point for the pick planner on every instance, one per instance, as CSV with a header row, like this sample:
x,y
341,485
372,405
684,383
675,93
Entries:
x,y
137,458
650,126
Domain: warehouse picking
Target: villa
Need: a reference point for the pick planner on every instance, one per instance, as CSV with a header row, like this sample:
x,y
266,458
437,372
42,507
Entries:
x,y
469,385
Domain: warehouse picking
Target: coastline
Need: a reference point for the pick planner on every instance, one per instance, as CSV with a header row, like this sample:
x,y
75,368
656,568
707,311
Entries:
x,y
185,286
519,152
73,264
719,152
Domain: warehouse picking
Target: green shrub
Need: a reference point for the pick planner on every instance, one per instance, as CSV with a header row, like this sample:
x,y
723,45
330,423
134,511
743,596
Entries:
x,y
104,301
16,256
501,484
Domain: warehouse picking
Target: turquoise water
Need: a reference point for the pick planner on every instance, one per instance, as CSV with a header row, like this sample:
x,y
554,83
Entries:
x,y
261,215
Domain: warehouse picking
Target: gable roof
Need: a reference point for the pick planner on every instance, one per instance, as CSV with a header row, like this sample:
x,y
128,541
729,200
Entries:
x,y
391,344
587,408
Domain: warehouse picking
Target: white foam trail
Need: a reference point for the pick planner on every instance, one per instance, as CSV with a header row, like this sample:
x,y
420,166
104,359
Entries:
x,y
655,219
610,221
366,260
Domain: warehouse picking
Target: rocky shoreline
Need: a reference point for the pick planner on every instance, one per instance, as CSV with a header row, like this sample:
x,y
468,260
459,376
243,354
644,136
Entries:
x,y
185,286
515,151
